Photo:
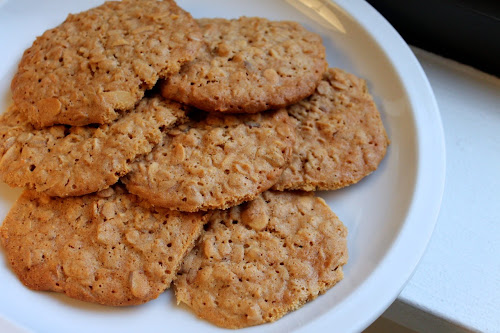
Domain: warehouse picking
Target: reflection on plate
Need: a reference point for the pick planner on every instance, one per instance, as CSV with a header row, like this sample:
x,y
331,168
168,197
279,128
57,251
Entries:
x,y
390,215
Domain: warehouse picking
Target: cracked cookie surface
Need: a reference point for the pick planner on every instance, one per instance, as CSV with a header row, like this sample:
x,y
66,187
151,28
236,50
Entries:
x,y
63,160
257,261
99,62
110,247
249,65
215,162
340,136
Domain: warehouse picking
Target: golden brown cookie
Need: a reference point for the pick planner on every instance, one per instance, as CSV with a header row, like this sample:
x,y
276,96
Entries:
x,y
340,136
100,61
109,248
262,259
249,65
63,160
217,161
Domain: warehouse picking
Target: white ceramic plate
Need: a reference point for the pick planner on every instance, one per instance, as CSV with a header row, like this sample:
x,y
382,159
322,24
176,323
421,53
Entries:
x,y
390,215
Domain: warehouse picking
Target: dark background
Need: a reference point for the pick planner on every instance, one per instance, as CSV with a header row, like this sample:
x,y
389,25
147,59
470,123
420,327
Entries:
x,y
465,30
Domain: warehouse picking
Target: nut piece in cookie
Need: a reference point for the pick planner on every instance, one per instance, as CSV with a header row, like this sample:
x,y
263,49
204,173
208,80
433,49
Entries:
x,y
101,61
249,65
262,259
63,160
340,136
110,247
217,161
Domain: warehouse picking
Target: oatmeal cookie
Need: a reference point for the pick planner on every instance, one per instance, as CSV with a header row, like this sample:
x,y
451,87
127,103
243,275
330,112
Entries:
x,y
63,160
262,259
340,136
215,162
99,62
110,247
249,65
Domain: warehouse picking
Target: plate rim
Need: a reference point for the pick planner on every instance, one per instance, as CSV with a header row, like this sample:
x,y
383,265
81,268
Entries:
x,y
428,185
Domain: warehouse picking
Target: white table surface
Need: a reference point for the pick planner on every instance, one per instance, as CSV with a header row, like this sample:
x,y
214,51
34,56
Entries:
x,y
456,286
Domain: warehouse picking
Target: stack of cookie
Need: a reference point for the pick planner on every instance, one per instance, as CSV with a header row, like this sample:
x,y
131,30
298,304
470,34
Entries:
x,y
159,149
